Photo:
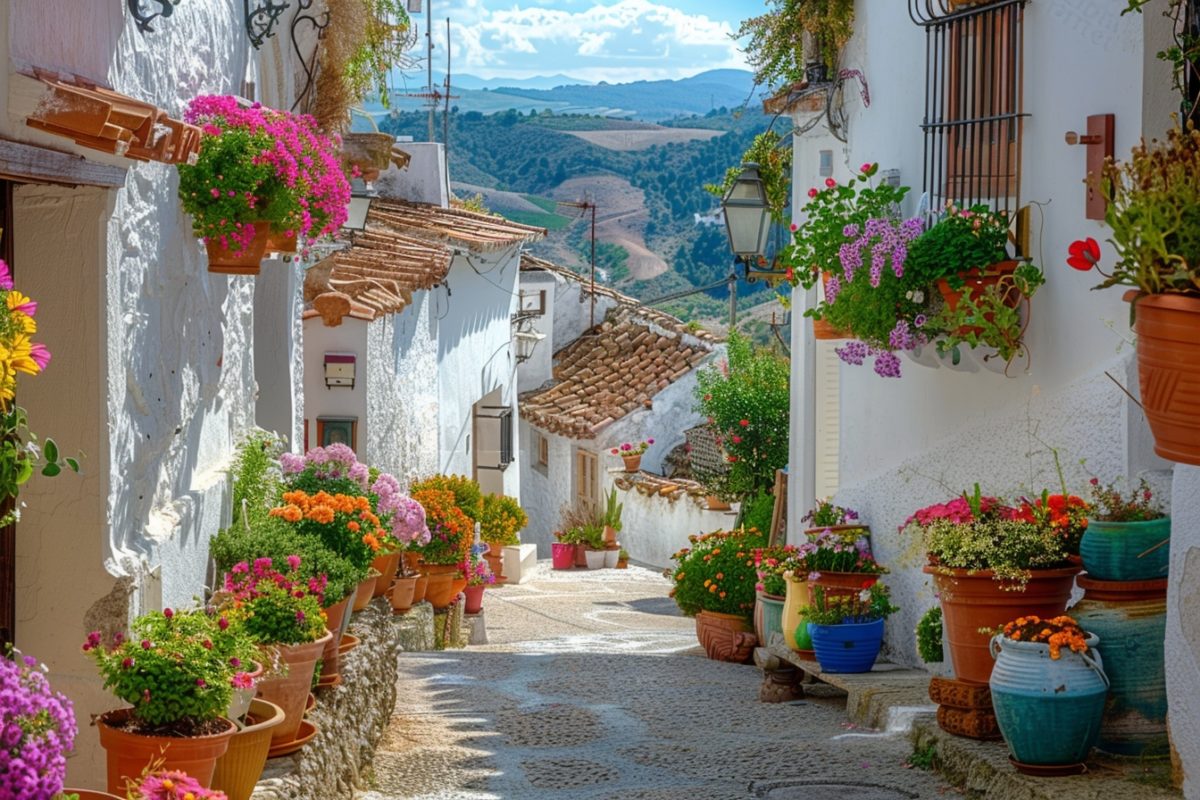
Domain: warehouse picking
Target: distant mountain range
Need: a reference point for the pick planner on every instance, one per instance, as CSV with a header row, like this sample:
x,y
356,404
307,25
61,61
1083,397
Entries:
x,y
643,100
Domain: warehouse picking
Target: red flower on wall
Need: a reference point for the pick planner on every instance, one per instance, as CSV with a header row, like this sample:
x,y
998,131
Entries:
x,y
1084,254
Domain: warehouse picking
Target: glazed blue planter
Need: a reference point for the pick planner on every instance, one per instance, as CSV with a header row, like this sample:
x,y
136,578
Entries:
x,y
1126,551
1049,710
850,647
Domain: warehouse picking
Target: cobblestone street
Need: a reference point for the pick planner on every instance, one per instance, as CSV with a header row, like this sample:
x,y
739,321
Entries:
x,y
592,686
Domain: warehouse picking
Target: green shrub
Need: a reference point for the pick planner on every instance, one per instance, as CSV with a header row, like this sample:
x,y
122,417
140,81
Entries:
x,y
717,573
758,511
501,520
274,539
255,478
929,636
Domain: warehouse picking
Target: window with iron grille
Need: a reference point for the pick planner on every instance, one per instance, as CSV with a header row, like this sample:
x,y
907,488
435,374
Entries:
x,y
506,437
973,101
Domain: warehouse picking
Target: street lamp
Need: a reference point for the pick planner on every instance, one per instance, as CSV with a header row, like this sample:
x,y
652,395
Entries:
x,y
748,224
360,205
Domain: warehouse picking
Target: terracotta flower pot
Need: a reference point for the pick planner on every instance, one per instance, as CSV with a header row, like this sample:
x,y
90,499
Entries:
x,y
240,768
386,566
402,594
290,691
974,601
622,563
441,591
129,753
247,262
715,503
495,560
336,618
363,594
281,243
474,599
422,586
1168,356
976,282
823,329
632,463
844,584
581,556
725,637
412,561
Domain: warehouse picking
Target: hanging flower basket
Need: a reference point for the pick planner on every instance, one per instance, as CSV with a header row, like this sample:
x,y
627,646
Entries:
x,y
235,258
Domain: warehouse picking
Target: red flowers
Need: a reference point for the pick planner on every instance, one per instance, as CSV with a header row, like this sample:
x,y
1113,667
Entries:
x,y
745,423
1084,254
830,182
813,192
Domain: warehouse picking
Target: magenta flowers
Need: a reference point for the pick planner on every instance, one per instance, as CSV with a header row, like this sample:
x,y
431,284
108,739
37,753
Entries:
x,y
37,729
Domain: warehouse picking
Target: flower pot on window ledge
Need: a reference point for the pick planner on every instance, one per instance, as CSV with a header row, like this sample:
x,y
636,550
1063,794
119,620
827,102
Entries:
x,y
632,463
225,261
823,329
976,282
281,243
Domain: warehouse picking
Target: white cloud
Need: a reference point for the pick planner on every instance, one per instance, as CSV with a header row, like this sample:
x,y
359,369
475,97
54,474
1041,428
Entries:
x,y
620,41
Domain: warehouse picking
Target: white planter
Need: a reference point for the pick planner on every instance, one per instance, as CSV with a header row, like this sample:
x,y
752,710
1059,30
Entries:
x,y
595,558
520,561
611,557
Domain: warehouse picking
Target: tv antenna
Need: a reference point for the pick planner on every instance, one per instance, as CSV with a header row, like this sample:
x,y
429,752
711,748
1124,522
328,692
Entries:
x,y
585,206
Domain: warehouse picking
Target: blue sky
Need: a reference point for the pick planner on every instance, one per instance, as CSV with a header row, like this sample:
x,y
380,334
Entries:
x,y
612,40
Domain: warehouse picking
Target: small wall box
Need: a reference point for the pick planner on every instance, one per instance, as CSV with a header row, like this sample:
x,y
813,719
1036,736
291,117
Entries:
x,y
339,370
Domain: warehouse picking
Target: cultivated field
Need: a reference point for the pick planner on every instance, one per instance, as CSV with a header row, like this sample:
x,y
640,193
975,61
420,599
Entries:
x,y
621,217
645,138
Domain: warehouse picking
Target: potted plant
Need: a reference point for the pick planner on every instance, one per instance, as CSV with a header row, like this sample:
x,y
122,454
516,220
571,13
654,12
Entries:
x,y
240,768
562,550
797,597
178,683
1160,181
444,556
1048,691
479,577
929,637
623,559
500,522
631,453
826,516
282,613
838,566
770,563
39,730
611,517
592,535
159,783
847,630
714,581
1128,537
990,563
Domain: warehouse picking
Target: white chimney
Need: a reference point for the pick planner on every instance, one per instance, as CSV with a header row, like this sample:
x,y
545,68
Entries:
x,y
425,180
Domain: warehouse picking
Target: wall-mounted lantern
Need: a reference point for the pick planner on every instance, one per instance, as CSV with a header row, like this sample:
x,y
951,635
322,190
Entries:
x,y
360,205
526,342
339,370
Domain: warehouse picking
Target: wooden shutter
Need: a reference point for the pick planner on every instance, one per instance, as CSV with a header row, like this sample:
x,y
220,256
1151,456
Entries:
x,y
587,488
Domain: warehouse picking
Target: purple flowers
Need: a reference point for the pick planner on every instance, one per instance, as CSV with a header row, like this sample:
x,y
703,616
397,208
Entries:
x,y
404,516
37,729
887,364
885,238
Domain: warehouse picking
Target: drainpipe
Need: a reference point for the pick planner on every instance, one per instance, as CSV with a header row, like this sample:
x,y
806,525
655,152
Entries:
x,y
802,442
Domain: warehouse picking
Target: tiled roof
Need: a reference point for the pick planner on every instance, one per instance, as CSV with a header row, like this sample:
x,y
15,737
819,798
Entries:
x,y
658,486
607,373
660,318
480,232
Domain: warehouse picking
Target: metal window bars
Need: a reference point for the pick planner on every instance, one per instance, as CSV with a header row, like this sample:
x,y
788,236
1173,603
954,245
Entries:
x,y
973,102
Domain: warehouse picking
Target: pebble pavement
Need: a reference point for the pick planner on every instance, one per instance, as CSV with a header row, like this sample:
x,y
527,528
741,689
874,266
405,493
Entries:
x,y
592,686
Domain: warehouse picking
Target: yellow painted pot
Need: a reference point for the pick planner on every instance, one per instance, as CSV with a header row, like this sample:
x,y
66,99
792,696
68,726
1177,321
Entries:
x,y
799,595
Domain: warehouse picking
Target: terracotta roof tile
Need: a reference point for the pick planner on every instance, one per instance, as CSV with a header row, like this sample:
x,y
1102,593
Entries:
x,y
602,376
480,232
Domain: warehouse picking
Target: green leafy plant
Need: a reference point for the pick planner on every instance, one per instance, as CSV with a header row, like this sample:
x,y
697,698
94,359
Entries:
x,y
924,757
275,539
867,605
255,477
1184,54
501,520
612,510
827,515
1010,548
775,50
623,555
929,636
168,669
757,511
592,536
746,401
276,608
961,239
717,573
991,319
774,167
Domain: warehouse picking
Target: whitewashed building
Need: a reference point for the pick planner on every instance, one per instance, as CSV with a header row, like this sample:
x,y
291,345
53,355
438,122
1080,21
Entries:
x,y
587,388
408,336
156,362
902,444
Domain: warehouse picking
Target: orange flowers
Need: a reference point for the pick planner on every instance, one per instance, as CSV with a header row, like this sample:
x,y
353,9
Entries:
x,y
324,508
1059,632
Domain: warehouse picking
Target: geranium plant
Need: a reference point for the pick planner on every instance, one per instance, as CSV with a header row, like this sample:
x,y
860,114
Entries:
x,y
37,730
501,520
632,448
770,563
451,531
717,572
276,607
1110,504
169,669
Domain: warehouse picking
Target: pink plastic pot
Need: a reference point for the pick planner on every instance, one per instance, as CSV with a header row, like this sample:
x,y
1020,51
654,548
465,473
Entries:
x,y
562,555
474,599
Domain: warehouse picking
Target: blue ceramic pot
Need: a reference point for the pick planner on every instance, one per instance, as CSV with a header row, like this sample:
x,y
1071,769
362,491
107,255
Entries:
x,y
1126,551
1049,710
850,647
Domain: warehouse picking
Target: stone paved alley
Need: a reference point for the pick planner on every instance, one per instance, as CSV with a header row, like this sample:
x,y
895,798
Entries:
x,y
592,686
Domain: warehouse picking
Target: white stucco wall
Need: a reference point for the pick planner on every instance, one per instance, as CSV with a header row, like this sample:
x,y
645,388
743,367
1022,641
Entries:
x,y
538,368
474,341
544,490
402,396
278,351
653,527
153,372
339,401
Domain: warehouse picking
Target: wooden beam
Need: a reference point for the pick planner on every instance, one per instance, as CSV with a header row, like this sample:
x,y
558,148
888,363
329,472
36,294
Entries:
x,y
30,164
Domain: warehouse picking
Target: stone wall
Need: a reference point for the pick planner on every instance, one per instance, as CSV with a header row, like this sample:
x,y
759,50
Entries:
x,y
351,717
